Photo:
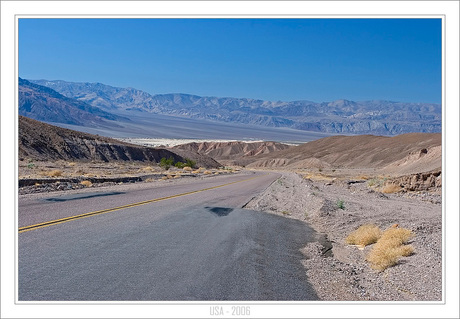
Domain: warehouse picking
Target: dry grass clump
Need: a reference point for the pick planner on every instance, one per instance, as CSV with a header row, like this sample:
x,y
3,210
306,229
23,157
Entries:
x,y
391,188
187,169
207,172
164,178
54,173
365,235
390,247
397,235
86,183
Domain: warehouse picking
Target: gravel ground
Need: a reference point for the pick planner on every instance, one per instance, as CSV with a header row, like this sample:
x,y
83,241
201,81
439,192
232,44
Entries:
x,y
342,273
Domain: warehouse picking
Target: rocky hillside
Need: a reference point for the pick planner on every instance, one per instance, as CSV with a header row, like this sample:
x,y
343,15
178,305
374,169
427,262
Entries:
x,y
227,152
336,117
40,141
402,154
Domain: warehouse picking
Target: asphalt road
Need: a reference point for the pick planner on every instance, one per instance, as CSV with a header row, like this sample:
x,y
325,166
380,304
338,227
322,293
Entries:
x,y
199,245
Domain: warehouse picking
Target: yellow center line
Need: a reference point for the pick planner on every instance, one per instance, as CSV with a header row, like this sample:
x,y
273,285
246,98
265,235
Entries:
x,y
108,210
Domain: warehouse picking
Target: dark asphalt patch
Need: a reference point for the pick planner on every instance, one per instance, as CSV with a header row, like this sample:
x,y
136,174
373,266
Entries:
x,y
220,211
80,196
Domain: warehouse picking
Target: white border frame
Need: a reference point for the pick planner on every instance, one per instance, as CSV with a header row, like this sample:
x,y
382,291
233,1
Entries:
x,y
367,9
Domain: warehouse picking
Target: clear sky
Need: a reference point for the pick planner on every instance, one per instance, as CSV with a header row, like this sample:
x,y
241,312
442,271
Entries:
x,y
271,59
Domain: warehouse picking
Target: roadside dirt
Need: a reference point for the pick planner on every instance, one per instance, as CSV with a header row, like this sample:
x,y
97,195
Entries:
x,y
335,207
51,176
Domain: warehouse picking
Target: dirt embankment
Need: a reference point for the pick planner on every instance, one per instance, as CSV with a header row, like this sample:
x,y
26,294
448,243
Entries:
x,y
335,208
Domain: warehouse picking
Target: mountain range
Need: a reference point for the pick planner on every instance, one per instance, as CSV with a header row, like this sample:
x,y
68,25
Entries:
x,y
45,104
336,117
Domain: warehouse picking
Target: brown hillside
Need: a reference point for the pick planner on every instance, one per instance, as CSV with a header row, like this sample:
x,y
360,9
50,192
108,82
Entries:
x,y
41,141
399,154
228,151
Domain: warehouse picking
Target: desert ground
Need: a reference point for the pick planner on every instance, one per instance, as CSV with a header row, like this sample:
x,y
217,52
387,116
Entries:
x,y
335,207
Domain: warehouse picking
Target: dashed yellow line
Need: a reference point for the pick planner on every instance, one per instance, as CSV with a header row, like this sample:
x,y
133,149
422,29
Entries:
x,y
108,210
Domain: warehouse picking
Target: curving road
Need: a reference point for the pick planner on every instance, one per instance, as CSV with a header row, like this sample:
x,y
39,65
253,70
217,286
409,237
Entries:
x,y
186,241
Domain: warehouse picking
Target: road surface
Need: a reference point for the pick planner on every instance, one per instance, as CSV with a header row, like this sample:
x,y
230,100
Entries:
x,y
181,242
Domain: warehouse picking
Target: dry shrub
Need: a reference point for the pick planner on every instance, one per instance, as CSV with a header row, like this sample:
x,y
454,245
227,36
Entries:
x,y
390,247
187,169
169,176
177,176
364,235
86,183
391,188
397,235
207,172
54,173
148,169
164,178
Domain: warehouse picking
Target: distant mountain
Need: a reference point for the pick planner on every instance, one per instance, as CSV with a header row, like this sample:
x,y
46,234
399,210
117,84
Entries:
x,y
45,104
336,117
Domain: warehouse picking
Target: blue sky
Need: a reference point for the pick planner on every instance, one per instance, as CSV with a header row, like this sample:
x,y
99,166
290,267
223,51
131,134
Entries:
x,y
271,59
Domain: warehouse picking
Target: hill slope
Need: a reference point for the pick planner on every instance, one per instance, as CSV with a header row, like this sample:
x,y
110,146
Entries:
x,y
42,141
229,151
402,154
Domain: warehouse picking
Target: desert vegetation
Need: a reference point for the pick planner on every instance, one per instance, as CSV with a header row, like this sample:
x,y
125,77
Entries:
x,y
365,235
86,183
166,163
389,247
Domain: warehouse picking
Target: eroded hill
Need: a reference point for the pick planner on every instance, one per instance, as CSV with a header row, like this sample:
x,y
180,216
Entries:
x,y
402,154
230,152
40,141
